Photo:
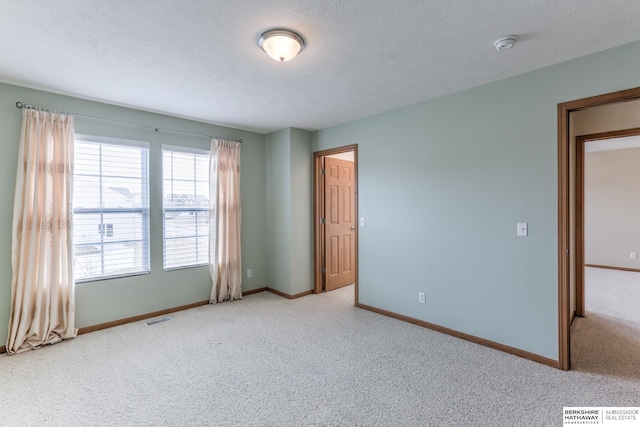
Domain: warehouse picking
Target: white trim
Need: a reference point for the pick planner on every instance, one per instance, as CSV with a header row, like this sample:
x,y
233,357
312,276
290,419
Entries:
x,y
111,140
187,150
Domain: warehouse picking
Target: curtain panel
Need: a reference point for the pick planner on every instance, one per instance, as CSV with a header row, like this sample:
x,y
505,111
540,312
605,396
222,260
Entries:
x,y
225,264
42,284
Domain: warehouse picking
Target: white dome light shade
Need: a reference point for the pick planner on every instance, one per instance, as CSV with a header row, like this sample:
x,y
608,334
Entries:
x,y
282,45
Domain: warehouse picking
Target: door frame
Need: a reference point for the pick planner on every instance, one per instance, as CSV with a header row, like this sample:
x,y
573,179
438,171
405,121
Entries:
x,y
318,206
564,214
580,187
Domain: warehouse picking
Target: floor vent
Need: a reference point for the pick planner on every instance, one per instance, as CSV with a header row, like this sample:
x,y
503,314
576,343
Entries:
x,y
160,320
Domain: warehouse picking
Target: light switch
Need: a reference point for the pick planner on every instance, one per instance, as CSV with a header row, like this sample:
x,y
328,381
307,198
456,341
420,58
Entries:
x,y
362,223
523,229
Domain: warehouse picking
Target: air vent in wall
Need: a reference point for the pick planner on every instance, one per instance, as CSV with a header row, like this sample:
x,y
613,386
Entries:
x,y
160,320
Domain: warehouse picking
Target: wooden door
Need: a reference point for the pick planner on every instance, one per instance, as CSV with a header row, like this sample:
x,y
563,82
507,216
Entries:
x,y
340,224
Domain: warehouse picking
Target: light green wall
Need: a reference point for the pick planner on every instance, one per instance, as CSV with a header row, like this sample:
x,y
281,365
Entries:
x,y
278,215
288,189
442,185
107,300
301,217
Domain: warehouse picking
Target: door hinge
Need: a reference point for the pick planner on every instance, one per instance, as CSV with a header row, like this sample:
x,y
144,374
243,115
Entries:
x,y
322,221
324,270
323,171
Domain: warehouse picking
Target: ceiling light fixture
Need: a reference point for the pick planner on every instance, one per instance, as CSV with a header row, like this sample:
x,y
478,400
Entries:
x,y
280,44
505,42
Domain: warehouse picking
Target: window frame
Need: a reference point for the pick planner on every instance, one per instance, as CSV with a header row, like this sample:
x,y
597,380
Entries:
x,y
143,211
194,209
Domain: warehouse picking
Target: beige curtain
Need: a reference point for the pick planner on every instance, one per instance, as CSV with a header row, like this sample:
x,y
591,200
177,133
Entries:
x,y
225,214
42,286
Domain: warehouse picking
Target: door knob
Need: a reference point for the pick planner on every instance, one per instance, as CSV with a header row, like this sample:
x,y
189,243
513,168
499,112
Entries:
x,y
353,229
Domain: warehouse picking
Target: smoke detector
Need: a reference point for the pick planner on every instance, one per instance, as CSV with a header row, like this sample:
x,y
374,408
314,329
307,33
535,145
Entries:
x,y
505,42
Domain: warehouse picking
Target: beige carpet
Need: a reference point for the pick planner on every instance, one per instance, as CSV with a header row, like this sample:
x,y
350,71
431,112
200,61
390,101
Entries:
x,y
314,361
607,340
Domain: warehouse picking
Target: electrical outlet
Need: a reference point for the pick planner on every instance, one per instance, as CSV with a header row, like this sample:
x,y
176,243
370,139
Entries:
x,y
422,298
633,255
249,273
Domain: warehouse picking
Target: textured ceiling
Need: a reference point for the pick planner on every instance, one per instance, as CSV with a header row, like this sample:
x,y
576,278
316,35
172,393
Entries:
x,y
200,59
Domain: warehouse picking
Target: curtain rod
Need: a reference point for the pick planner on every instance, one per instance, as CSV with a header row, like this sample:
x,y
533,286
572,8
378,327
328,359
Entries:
x,y
22,105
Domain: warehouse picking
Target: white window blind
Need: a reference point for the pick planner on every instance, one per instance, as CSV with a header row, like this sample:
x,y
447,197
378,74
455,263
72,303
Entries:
x,y
185,198
111,208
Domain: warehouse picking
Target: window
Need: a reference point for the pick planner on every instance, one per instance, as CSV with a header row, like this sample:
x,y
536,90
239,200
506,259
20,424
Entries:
x,y
185,207
110,208
109,229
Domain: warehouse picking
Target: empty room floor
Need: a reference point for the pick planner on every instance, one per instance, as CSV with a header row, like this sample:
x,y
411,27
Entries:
x,y
314,361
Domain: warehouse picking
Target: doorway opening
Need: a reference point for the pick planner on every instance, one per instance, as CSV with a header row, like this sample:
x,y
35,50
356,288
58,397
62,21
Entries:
x,y
569,264
601,209
607,297
335,213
